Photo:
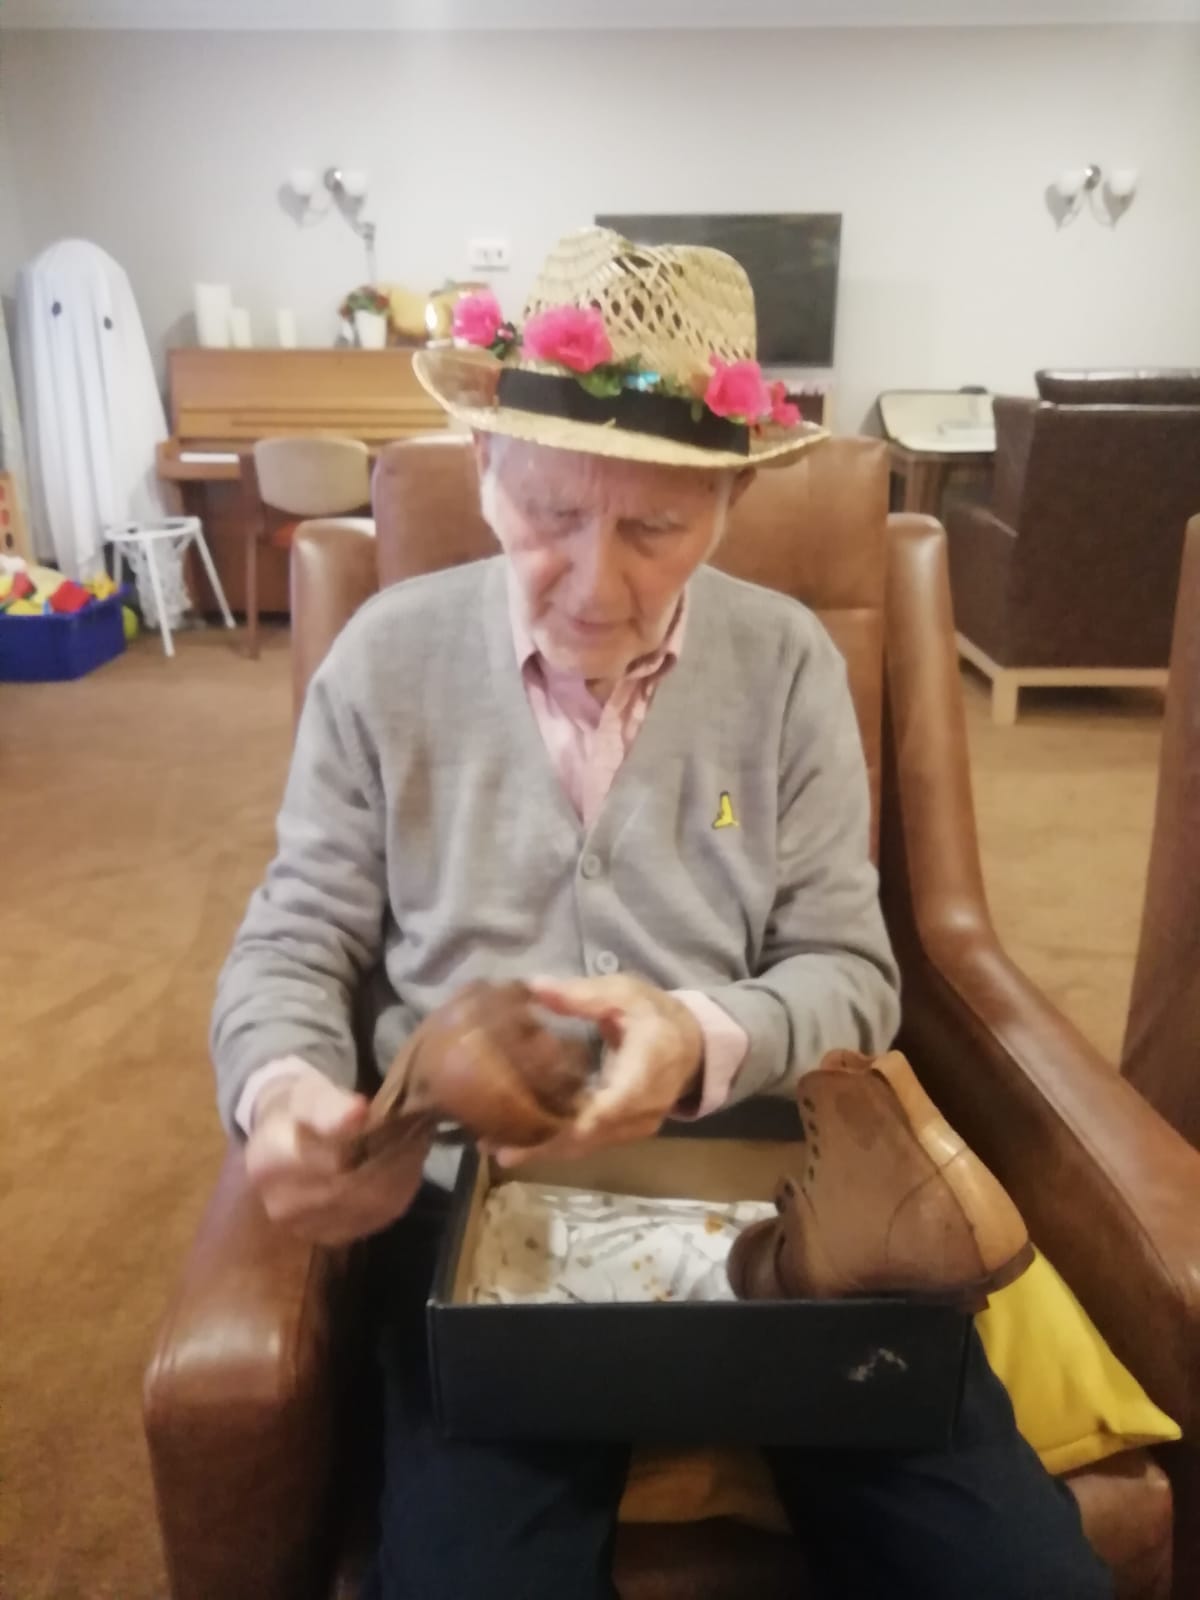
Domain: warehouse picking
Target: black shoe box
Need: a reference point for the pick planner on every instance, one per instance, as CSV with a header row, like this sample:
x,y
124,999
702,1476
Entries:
x,y
856,1374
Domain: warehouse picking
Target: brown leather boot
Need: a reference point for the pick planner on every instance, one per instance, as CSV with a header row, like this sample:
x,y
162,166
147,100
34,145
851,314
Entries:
x,y
482,1060
884,1199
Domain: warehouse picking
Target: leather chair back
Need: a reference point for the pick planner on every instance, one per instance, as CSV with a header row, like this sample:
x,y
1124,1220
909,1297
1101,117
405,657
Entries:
x,y
1127,386
1099,496
1161,1056
814,530
425,495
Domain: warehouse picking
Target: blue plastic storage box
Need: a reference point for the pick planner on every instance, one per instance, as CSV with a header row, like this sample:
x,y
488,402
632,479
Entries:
x,y
51,648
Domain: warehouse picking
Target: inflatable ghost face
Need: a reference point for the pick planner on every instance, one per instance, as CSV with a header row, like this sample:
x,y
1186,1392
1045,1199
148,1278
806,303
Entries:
x,y
89,401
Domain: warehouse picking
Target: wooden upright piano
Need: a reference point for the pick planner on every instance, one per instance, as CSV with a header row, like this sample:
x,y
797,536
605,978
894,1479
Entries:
x,y
222,401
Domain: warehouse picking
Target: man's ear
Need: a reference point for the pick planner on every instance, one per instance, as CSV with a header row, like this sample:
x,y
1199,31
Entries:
x,y
741,482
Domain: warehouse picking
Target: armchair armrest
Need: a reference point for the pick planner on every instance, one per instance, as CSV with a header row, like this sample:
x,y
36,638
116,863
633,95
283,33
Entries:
x,y
981,554
1015,416
240,1402
1109,1190
333,571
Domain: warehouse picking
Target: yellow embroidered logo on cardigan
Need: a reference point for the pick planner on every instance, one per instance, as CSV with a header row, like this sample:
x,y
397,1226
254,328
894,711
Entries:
x,y
725,817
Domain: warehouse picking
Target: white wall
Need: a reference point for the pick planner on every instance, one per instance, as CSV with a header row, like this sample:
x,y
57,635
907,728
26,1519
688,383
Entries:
x,y
937,146
12,232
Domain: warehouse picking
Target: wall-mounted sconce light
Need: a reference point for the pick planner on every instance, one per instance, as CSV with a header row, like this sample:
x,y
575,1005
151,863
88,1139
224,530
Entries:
x,y
1122,183
313,197
314,194
347,184
1074,182
1075,187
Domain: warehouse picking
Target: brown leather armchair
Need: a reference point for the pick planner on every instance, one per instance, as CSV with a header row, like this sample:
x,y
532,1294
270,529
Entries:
x,y
257,1394
1161,1055
1068,577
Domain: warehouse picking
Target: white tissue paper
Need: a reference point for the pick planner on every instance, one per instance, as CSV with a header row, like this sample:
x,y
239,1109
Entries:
x,y
551,1244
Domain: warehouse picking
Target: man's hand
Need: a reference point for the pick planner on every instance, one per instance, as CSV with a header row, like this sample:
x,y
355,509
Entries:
x,y
654,1060
302,1157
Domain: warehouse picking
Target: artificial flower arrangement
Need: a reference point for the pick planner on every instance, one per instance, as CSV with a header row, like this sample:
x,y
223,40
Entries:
x,y
365,298
575,338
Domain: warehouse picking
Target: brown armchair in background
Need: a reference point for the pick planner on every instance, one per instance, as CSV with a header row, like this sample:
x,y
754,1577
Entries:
x,y
257,1391
1068,577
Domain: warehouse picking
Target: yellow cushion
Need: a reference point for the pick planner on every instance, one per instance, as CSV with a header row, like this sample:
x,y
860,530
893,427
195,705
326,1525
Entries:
x,y
1074,1402
666,1485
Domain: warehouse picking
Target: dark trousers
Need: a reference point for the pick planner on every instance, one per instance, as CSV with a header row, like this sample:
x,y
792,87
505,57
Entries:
x,y
461,1520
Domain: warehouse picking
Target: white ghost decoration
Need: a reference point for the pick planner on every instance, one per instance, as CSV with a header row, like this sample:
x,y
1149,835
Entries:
x,y
91,408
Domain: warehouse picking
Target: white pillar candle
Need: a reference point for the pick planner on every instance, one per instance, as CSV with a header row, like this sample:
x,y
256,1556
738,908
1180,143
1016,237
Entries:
x,y
285,328
211,302
239,327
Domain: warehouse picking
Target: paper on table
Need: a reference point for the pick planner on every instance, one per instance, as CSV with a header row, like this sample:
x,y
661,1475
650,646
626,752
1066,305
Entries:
x,y
552,1244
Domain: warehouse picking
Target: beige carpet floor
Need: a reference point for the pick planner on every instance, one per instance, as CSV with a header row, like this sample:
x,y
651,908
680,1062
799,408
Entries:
x,y
137,810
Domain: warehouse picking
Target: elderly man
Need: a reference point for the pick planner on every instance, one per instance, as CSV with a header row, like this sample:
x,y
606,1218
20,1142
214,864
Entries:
x,y
595,765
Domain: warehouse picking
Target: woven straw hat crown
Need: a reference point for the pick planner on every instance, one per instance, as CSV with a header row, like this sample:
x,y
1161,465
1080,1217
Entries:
x,y
671,306
668,325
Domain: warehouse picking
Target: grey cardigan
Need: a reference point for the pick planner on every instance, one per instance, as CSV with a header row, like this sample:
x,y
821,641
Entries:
x,y
425,840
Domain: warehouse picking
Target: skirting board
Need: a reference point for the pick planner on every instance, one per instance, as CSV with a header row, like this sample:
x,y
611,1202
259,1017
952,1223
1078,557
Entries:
x,y
1007,682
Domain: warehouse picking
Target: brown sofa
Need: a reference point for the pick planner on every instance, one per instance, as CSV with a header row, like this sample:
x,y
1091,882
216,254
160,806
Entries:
x,y
1068,576
257,1393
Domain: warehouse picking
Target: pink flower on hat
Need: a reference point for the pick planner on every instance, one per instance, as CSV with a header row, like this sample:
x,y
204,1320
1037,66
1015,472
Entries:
x,y
784,412
478,318
570,336
737,389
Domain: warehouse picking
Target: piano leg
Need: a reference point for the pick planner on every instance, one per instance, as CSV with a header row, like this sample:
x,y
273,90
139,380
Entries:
x,y
252,533
253,529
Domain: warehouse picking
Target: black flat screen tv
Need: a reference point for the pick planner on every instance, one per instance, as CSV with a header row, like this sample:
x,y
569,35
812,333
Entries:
x,y
791,260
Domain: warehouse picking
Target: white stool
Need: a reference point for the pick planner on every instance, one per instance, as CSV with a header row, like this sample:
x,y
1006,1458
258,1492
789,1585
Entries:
x,y
180,532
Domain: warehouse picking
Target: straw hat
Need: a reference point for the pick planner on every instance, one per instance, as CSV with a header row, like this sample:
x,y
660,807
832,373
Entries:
x,y
644,352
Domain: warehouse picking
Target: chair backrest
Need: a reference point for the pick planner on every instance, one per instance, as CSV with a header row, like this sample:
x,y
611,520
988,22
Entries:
x,y
1099,496
313,476
814,530
1127,386
1161,1056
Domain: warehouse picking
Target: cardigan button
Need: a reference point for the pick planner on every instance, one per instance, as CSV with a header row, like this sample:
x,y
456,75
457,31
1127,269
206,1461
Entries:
x,y
591,866
605,963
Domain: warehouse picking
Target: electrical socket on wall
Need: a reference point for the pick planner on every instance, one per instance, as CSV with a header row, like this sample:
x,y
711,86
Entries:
x,y
488,255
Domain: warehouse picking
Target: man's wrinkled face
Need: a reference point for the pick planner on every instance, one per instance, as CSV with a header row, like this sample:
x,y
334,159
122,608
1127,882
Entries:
x,y
599,549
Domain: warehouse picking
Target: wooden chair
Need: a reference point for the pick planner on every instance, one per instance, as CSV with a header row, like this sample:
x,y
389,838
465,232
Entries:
x,y
297,478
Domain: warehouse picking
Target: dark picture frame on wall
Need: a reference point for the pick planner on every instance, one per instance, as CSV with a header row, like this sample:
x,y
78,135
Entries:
x,y
791,259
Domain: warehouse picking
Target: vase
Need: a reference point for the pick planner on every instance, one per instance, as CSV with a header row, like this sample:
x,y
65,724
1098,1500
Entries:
x,y
371,328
